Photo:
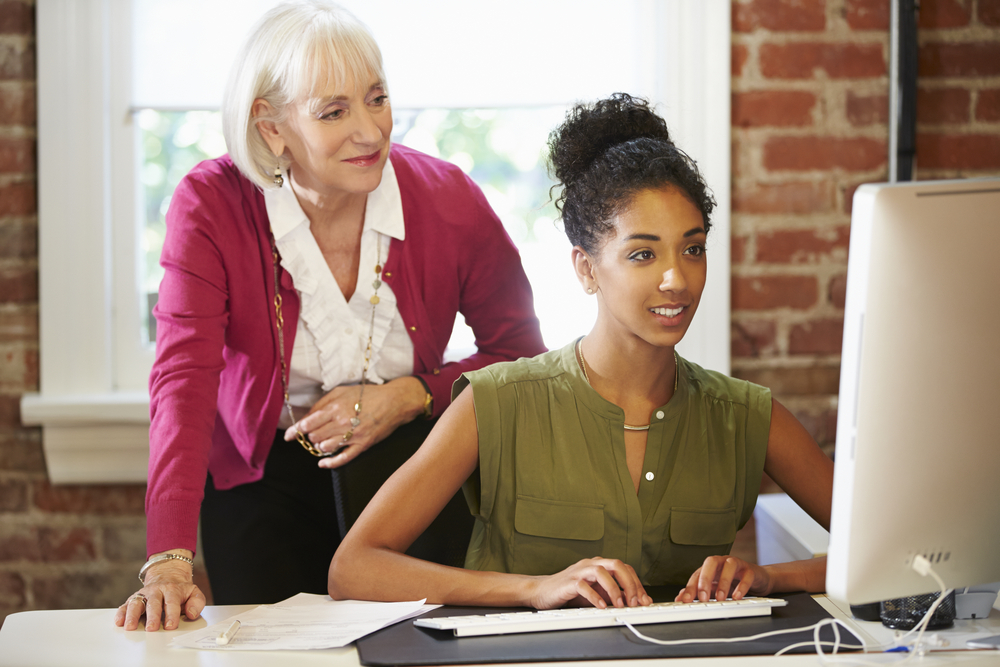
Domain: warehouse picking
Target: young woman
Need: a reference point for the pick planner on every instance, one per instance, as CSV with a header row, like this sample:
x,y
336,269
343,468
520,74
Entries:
x,y
613,463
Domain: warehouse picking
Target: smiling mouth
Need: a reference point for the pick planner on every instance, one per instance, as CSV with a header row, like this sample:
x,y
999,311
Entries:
x,y
364,159
667,312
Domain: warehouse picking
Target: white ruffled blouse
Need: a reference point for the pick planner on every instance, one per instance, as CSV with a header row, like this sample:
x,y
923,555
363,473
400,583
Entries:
x,y
332,332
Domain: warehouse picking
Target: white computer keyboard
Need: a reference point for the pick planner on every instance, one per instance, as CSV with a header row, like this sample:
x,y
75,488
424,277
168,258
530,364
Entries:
x,y
591,617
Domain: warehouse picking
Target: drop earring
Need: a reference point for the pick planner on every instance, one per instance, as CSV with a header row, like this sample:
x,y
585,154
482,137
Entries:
x,y
279,180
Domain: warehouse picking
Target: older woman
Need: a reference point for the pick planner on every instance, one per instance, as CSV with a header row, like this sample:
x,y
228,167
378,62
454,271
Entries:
x,y
312,280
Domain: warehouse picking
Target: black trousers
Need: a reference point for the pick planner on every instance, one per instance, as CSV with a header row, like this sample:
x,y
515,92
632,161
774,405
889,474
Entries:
x,y
271,539
266,541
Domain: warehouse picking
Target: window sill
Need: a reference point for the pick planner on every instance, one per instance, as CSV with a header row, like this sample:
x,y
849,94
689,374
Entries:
x,y
93,438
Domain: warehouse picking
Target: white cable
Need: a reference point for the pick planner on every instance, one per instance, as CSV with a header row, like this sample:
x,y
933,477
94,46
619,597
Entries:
x,y
920,564
731,640
923,567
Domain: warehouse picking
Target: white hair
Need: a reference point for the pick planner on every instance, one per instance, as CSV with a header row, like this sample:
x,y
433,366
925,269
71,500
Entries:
x,y
296,50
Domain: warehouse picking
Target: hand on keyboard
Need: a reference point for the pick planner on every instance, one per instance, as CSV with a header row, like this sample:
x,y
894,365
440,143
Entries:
x,y
600,582
722,577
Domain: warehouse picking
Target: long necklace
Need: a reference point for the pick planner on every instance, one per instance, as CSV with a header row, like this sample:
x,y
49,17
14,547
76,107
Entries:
x,y
583,365
302,438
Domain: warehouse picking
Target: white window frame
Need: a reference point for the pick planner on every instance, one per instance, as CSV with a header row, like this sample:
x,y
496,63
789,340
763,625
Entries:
x,y
93,404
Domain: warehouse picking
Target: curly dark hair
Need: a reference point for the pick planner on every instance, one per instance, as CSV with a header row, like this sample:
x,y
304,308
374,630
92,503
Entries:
x,y
607,152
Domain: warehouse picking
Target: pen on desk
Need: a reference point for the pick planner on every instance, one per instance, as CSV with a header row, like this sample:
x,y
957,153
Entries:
x,y
228,635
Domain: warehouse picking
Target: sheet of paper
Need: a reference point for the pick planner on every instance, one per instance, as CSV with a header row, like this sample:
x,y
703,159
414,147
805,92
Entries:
x,y
303,622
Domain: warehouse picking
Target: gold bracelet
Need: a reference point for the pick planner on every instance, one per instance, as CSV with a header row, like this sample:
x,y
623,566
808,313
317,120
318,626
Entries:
x,y
428,410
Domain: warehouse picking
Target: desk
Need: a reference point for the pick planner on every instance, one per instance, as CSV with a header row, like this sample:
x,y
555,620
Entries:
x,y
88,637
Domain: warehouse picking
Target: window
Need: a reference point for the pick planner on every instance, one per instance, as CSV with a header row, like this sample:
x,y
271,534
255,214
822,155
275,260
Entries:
x,y
103,97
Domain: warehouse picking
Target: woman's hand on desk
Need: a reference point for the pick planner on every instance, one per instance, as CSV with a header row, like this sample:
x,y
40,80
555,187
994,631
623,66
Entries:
x,y
600,582
721,577
168,591
384,408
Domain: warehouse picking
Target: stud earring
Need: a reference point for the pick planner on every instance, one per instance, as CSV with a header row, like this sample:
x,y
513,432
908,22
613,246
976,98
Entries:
x,y
590,290
279,180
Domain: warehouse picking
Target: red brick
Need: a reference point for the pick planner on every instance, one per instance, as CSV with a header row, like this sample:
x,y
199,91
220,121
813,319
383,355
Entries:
x,y
779,15
18,241
944,14
801,246
82,589
67,545
795,197
940,59
91,499
13,495
801,60
943,105
815,380
816,337
837,291
19,284
820,422
753,338
19,543
769,292
738,55
800,153
737,249
867,109
12,591
989,12
958,151
19,325
21,451
17,155
18,199
125,543
773,108
10,411
17,104
17,61
988,105
19,368
867,14
17,18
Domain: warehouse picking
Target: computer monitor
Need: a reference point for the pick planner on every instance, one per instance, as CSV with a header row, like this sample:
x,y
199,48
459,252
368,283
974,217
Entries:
x,y
917,466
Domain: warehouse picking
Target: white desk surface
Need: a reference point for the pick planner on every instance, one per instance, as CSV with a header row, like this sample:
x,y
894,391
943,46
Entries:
x,y
85,637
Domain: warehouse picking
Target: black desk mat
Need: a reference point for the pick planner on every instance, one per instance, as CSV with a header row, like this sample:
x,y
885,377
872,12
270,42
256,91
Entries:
x,y
406,644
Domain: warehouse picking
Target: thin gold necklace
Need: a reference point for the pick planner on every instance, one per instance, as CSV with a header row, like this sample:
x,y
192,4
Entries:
x,y
583,365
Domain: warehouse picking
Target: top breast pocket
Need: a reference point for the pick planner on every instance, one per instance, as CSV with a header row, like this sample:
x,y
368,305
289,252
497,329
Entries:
x,y
551,535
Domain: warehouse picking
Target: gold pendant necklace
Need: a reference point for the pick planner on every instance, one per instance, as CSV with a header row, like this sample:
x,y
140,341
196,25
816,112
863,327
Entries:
x,y
583,365
302,438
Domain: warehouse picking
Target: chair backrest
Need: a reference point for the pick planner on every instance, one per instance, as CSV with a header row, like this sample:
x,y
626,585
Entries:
x,y
447,538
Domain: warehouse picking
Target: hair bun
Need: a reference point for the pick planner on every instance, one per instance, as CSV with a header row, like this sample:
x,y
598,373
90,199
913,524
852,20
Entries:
x,y
591,129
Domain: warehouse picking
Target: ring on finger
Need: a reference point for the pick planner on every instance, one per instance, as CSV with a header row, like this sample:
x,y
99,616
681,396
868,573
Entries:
x,y
138,596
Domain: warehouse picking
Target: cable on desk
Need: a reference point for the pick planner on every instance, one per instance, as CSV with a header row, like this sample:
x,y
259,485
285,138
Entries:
x,y
920,564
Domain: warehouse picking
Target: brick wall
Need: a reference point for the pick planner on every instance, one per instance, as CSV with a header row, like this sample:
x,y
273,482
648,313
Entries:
x,y
809,125
810,107
61,547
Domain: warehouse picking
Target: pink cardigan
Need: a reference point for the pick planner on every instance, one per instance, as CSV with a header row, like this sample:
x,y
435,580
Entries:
x,y
215,388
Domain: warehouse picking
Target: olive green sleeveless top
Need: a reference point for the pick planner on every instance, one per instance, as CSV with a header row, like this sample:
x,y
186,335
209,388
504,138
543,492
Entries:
x,y
552,486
